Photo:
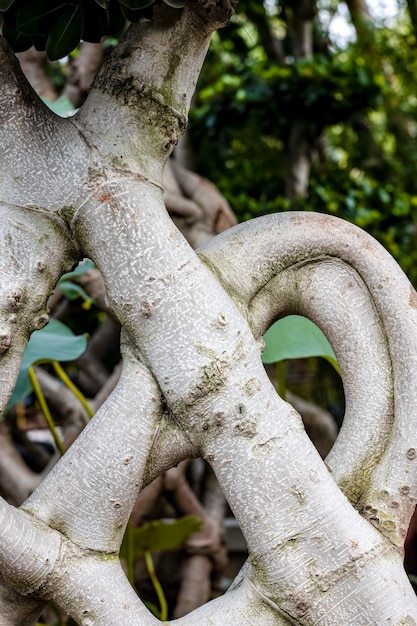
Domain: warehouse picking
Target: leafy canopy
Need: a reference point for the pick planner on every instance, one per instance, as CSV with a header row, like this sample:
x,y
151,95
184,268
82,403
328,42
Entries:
x,y
58,26
357,105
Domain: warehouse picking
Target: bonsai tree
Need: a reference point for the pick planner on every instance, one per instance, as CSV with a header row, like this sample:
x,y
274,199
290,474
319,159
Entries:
x,y
325,539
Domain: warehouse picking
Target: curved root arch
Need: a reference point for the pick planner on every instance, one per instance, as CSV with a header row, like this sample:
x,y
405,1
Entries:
x,y
341,278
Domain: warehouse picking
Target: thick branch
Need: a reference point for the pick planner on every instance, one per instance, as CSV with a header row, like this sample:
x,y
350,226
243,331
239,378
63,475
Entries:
x,y
119,453
35,249
388,498
138,105
43,158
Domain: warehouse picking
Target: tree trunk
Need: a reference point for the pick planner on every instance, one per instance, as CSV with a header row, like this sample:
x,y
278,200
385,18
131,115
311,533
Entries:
x,y
299,145
192,382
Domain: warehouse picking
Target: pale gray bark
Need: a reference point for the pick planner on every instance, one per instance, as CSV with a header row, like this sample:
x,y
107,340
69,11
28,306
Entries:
x,y
192,382
371,337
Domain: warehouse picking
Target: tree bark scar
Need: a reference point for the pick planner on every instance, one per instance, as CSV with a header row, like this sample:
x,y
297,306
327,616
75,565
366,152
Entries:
x,y
105,197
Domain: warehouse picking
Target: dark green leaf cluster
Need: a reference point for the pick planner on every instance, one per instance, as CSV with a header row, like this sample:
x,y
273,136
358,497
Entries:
x,y
357,107
383,209
322,91
58,26
243,115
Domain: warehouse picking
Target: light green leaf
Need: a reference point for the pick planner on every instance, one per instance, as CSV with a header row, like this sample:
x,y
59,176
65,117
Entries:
x,y
55,342
159,535
61,106
73,291
81,268
296,337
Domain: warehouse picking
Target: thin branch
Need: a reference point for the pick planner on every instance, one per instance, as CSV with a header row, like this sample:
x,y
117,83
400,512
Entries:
x,y
35,143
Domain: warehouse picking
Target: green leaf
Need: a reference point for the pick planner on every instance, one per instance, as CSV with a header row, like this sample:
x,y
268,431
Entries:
x,y
5,4
99,22
39,41
61,106
36,18
17,41
65,33
82,268
159,535
136,4
296,337
94,16
55,342
73,291
103,3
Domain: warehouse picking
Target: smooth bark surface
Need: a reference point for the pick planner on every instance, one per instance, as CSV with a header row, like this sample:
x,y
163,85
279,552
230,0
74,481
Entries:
x,y
325,546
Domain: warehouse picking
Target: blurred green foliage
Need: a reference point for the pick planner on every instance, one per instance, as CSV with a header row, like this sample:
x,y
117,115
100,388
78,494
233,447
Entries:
x,y
358,107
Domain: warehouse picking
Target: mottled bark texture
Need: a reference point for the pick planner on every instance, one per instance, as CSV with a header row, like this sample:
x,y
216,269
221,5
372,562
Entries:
x,y
325,540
